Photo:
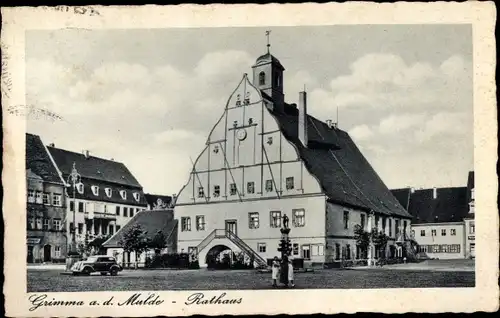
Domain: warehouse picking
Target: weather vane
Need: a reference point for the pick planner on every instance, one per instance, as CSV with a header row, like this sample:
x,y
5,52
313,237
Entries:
x,y
268,32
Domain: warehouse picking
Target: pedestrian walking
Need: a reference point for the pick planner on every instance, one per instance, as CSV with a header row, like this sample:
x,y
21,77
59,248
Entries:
x,y
290,273
275,271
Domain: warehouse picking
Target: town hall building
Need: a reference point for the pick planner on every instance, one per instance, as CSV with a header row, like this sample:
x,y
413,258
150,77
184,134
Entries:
x,y
266,158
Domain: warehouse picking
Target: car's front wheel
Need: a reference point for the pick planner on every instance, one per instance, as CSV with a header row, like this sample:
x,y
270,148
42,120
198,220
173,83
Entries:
x,y
113,272
86,271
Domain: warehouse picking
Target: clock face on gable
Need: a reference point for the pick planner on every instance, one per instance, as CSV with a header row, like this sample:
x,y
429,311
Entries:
x,y
241,134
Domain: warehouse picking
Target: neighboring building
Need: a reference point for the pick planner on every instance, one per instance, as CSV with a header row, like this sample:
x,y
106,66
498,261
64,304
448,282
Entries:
x,y
442,223
470,226
46,205
107,198
151,221
265,158
158,202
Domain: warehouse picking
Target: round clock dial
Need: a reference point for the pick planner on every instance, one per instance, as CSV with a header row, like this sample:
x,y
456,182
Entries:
x,y
241,134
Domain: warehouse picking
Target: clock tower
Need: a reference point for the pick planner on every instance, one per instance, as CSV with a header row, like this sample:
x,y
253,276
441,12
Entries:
x,y
268,77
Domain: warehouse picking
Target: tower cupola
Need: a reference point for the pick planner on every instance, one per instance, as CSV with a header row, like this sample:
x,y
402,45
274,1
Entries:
x,y
268,76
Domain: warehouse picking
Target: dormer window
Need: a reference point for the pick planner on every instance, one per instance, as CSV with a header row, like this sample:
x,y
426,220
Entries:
x,y
216,148
108,192
250,121
247,98
235,123
123,194
95,190
262,78
269,140
137,196
79,188
238,100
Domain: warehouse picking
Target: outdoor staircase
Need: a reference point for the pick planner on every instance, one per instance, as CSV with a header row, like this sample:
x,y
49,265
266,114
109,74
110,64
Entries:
x,y
219,233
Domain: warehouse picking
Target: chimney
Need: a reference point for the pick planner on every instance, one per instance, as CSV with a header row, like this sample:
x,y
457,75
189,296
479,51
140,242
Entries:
x,y
434,193
303,118
412,190
52,145
329,123
86,153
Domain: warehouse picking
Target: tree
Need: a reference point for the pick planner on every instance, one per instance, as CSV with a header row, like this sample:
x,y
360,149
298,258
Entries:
x,y
134,240
96,244
362,238
379,239
158,242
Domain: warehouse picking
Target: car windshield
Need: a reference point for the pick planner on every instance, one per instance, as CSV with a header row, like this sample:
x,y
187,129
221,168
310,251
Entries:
x,y
92,259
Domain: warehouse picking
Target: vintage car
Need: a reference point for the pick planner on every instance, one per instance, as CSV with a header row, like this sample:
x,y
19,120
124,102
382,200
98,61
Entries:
x,y
97,264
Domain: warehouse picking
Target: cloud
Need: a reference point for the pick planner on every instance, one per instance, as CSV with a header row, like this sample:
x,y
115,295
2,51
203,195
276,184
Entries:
x,y
361,132
387,82
397,123
445,123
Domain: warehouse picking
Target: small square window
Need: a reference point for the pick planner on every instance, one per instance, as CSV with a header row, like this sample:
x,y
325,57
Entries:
x,y
253,219
289,183
216,191
261,247
46,224
46,198
275,219
38,197
232,189
422,232
269,140
250,187
200,223
443,232
346,220
269,185
201,192
31,196
185,224
56,199
299,217
453,232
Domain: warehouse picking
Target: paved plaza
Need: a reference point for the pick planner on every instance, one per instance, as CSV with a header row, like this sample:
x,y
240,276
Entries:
x,y
431,275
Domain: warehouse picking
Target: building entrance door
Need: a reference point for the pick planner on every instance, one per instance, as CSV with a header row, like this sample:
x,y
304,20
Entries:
x,y
30,254
231,226
46,253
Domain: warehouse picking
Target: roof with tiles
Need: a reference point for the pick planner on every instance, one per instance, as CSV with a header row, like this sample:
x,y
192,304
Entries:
x,y
333,158
101,173
151,221
38,160
403,196
448,205
93,167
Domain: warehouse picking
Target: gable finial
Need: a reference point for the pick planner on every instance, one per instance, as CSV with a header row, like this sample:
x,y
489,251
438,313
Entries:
x,y
268,32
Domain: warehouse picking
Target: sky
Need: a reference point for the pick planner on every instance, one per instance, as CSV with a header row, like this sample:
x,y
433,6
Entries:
x,y
149,97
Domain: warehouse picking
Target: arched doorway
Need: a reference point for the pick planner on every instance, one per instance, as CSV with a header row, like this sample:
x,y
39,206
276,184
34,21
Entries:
x,y
47,249
219,257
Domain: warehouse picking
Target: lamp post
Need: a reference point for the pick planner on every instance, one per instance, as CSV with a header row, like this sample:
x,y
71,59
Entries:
x,y
74,179
284,248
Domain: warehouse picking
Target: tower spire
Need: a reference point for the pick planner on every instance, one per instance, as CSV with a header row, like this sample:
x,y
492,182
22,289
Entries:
x,y
268,32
